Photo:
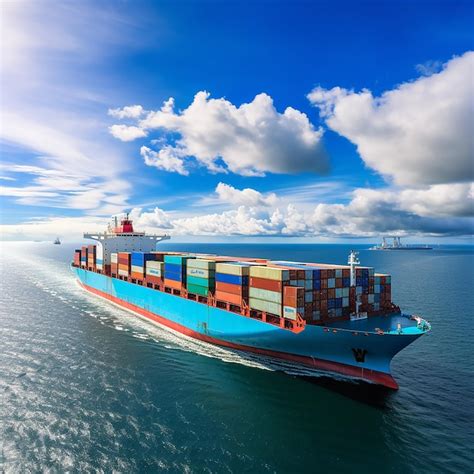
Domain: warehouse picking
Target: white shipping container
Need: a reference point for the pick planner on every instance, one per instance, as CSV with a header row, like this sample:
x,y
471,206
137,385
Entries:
x,y
371,298
338,292
156,272
202,264
345,292
331,283
289,313
267,306
114,257
338,273
345,302
201,273
265,295
122,272
138,269
308,284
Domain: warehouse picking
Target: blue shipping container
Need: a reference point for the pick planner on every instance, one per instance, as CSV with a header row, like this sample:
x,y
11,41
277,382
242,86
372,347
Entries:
x,y
233,279
316,284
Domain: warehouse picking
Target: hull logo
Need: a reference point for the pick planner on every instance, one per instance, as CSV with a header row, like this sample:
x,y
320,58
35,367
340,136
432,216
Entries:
x,y
359,354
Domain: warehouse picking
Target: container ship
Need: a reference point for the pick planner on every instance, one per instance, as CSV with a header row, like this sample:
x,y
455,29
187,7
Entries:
x,y
336,319
397,245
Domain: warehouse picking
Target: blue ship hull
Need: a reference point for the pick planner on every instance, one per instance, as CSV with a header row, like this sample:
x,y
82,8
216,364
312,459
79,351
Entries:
x,y
356,349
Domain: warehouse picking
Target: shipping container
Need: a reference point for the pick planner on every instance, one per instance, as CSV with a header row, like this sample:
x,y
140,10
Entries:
x,y
207,265
197,289
229,298
236,268
266,306
272,296
271,273
241,290
200,272
266,284
197,281
233,279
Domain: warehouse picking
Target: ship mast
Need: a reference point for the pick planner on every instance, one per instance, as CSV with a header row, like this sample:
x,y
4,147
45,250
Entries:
x,y
353,262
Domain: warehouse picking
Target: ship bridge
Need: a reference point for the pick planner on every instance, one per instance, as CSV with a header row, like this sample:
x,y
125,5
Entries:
x,y
121,237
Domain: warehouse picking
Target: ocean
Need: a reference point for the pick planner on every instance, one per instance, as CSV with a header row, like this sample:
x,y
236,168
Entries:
x,y
88,387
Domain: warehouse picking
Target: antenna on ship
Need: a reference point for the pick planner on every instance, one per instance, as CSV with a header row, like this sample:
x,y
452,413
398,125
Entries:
x,y
353,262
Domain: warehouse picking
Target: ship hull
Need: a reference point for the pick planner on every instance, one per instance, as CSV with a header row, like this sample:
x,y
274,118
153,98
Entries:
x,y
329,350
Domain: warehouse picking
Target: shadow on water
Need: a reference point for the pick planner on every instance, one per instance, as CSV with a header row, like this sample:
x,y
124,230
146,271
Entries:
x,y
360,391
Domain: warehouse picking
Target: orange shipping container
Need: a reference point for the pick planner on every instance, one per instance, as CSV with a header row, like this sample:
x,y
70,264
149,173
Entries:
x,y
229,298
232,289
266,284
177,285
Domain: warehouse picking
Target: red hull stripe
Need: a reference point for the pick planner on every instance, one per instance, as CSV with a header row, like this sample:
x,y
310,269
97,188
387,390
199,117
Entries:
x,y
373,376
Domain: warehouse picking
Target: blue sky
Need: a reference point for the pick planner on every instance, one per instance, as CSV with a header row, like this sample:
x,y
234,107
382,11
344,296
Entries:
x,y
315,121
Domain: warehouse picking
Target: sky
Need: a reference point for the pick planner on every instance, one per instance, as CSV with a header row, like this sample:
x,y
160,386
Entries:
x,y
323,121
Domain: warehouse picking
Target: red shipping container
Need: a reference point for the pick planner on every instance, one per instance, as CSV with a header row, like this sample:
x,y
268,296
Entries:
x,y
266,284
324,274
331,273
154,280
232,289
338,282
324,305
137,276
324,284
331,293
229,298
346,273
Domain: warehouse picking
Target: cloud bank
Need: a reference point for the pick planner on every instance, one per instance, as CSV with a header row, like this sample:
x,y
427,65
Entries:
x,y
251,139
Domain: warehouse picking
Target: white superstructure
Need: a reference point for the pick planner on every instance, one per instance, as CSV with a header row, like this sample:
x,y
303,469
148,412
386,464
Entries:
x,y
122,238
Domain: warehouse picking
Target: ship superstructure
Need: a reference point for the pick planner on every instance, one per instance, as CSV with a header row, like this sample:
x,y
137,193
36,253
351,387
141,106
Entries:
x,y
332,318
397,245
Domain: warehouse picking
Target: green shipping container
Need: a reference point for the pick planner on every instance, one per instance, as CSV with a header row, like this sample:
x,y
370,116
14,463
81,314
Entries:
x,y
265,295
203,282
197,290
177,259
267,306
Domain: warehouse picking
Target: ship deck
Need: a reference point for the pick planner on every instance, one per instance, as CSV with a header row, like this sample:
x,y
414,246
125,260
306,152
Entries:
x,y
386,323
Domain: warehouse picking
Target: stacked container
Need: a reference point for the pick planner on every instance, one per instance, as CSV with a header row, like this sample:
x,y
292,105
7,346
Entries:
x,y
155,271
114,264
200,276
124,263
232,282
266,288
84,256
77,258
175,270
91,256
139,261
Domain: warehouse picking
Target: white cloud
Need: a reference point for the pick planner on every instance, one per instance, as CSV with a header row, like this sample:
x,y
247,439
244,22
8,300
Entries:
x,y
419,133
130,111
127,133
52,117
429,67
244,197
250,140
167,159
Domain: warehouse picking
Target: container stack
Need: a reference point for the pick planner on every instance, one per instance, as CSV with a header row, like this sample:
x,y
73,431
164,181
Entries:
x,y
382,291
99,258
91,256
124,263
114,264
200,276
266,288
175,270
84,256
77,258
139,261
155,272
232,282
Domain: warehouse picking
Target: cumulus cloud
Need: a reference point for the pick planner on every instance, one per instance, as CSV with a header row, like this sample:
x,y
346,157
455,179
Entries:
x,y
368,214
168,159
244,197
127,133
130,111
419,133
251,139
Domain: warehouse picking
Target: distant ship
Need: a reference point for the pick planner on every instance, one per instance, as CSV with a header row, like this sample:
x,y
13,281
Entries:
x,y
397,245
57,241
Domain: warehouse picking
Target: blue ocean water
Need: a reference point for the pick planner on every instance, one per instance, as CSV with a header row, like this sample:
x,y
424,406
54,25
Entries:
x,y
86,386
